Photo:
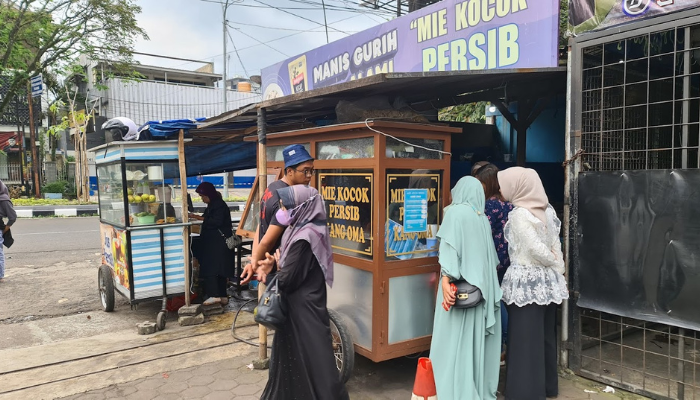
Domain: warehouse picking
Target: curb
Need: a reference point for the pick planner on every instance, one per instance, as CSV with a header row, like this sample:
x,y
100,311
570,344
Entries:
x,y
86,211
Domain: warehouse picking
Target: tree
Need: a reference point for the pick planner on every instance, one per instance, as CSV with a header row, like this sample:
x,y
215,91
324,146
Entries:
x,y
40,36
473,112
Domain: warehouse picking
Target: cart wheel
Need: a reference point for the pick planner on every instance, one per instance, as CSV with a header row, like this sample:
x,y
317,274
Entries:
x,y
105,284
160,320
343,348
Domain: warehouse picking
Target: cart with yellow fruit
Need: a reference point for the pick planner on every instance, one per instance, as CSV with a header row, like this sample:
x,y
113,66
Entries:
x,y
143,237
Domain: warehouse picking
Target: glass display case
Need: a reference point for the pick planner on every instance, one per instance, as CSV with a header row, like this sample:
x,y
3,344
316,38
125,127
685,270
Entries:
x,y
134,193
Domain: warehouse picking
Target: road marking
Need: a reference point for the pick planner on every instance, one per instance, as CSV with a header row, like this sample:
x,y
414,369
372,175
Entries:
x,y
52,233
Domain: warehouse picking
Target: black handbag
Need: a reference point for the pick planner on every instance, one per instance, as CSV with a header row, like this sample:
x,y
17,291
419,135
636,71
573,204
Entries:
x,y
272,309
467,295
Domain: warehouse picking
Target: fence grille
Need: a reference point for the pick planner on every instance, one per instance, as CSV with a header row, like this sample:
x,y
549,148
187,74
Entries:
x,y
641,110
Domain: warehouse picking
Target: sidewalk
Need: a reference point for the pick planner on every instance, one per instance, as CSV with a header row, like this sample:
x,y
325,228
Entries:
x,y
233,379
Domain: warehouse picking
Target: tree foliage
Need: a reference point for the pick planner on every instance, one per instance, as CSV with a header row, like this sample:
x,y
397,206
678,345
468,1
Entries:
x,y
473,112
48,36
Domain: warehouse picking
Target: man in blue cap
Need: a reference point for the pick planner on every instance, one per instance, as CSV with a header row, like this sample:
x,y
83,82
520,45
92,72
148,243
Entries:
x,y
298,170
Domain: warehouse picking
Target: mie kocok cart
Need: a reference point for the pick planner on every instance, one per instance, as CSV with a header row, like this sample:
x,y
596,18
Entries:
x,y
386,268
143,243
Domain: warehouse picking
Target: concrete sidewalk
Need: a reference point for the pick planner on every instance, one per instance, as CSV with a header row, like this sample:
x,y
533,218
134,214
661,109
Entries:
x,y
233,378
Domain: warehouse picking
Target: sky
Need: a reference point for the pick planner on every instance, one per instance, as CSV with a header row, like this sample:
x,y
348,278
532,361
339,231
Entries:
x,y
193,29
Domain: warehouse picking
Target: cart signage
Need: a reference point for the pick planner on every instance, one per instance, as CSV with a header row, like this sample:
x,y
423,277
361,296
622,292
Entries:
x,y
411,226
415,210
451,35
348,200
593,15
114,254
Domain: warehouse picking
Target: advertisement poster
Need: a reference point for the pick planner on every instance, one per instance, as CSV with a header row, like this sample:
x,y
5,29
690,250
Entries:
x,y
348,200
593,15
404,244
114,254
415,210
451,35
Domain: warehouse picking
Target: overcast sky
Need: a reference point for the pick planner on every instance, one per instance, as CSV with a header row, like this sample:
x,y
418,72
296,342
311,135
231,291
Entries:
x,y
193,29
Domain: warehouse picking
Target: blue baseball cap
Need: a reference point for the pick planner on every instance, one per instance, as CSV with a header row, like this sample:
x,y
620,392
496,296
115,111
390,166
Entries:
x,y
294,155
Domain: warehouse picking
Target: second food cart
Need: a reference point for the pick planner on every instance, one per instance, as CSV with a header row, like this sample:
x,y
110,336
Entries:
x,y
385,185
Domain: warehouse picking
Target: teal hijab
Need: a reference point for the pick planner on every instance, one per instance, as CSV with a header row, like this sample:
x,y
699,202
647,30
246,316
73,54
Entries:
x,y
466,246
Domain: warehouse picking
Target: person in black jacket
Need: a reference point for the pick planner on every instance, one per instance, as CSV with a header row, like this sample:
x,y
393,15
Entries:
x,y
216,261
6,211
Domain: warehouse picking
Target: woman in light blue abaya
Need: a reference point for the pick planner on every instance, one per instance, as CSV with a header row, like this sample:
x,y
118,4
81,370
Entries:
x,y
466,345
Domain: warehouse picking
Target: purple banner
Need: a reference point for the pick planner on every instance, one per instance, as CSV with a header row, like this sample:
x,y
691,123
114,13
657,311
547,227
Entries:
x,y
451,35
593,15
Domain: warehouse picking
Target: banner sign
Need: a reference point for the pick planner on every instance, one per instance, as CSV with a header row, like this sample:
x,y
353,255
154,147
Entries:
x,y
451,35
593,15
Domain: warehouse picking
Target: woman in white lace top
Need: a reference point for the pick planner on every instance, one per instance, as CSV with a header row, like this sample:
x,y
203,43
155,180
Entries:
x,y
532,287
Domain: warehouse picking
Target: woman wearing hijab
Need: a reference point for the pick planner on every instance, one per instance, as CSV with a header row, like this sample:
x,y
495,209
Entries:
x,y
6,211
215,259
466,345
302,365
532,287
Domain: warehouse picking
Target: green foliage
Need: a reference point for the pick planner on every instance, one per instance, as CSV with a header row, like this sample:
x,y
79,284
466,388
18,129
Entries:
x,y
55,187
47,36
563,22
70,159
43,202
474,113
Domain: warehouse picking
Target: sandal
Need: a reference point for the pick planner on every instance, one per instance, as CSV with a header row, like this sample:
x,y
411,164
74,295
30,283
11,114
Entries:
x,y
210,301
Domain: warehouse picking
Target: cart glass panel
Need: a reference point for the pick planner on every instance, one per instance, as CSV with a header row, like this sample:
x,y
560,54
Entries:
x,y
345,149
348,198
150,192
111,194
413,213
424,149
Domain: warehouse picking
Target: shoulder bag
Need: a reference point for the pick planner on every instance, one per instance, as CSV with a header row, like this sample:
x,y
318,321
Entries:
x,y
231,241
272,308
467,295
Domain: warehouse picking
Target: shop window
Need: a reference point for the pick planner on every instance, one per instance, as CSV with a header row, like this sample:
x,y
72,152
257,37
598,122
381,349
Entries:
x,y
413,213
614,52
637,71
592,56
661,90
345,149
274,153
348,197
637,47
662,42
414,148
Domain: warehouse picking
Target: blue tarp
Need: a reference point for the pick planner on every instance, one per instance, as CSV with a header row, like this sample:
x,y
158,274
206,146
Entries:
x,y
165,129
205,159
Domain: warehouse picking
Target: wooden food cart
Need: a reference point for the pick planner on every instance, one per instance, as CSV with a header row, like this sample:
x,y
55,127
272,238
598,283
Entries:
x,y
144,243
385,185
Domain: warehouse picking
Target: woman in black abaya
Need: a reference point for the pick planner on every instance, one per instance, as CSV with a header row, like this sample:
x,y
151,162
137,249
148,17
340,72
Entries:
x,y
302,365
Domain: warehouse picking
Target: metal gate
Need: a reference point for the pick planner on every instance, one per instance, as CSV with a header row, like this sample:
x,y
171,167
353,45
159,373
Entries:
x,y
635,106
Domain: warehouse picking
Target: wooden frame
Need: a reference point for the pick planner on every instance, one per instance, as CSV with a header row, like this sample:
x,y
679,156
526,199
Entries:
x,y
381,269
240,231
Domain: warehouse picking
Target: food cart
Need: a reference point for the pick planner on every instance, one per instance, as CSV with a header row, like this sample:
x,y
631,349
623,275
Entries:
x,y
144,243
385,185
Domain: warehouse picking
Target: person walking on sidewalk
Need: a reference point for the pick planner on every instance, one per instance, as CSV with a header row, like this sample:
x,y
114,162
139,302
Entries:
x,y
302,364
298,170
6,211
217,261
532,287
466,345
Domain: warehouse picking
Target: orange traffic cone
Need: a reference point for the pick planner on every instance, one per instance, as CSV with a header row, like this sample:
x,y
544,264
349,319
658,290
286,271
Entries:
x,y
424,386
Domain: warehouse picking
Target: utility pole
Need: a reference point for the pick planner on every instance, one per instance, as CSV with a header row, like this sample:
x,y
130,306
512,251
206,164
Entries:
x,y
225,6
32,138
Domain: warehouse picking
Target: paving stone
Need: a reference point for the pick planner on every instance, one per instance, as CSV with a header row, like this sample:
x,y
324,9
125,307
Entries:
x,y
189,321
246,397
208,369
90,396
173,386
124,390
190,311
168,397
151,384
224,375
244,390
218,395
250,378
179,376
195,392
202,380
142,395
223,384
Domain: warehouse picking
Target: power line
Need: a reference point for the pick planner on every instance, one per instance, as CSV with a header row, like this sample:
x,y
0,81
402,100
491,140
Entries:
x,y
299,16
236,50
262,43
